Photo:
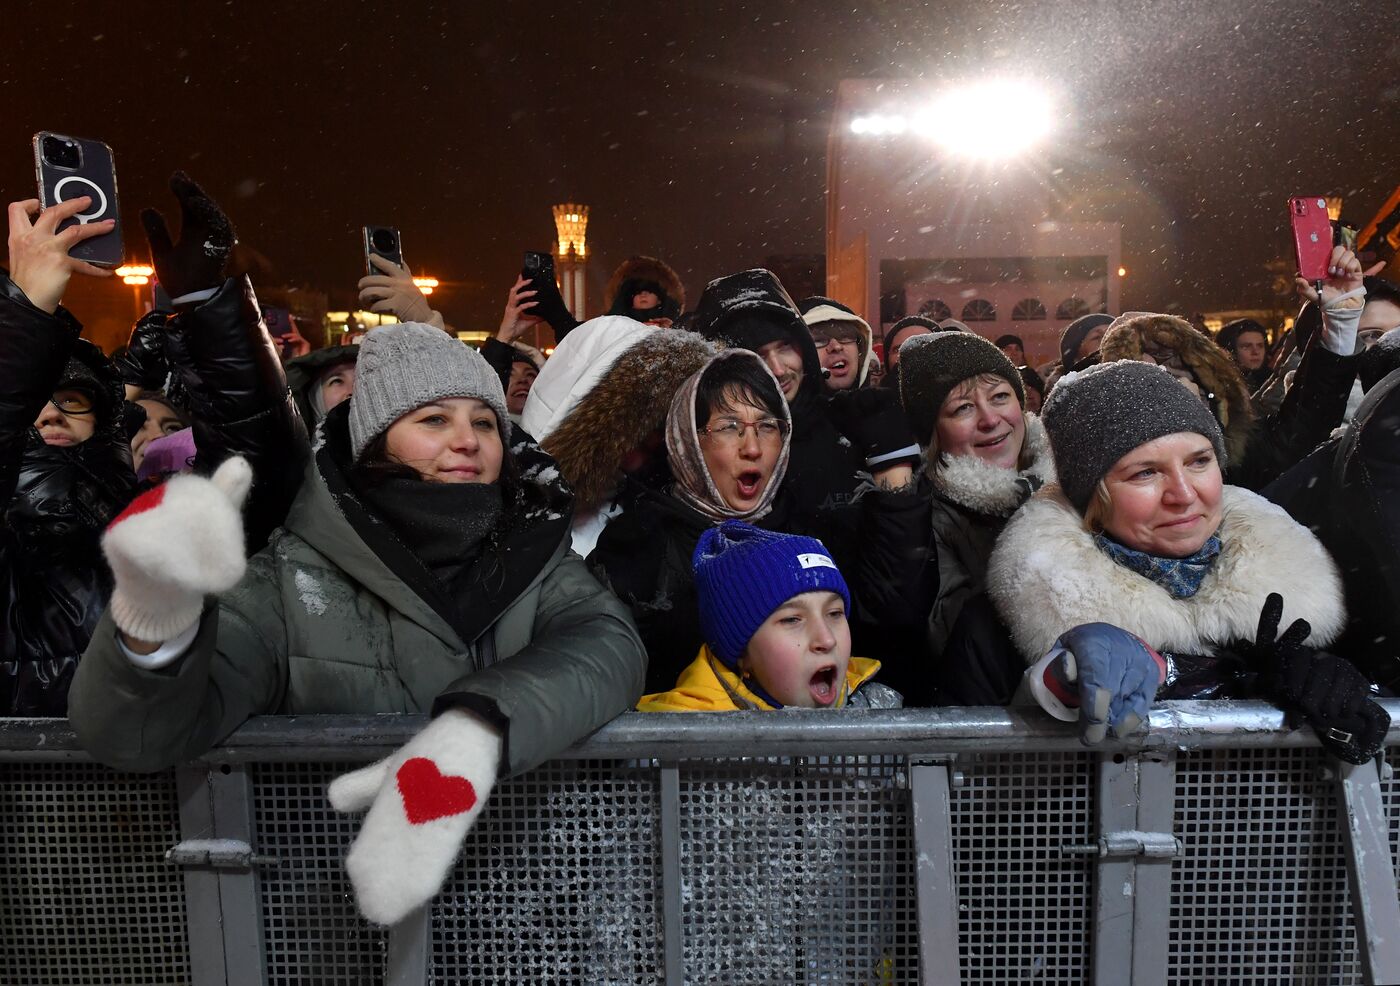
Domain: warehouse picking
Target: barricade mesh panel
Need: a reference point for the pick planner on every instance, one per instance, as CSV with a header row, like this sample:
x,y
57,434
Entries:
x,y
797,871
86,896
314,935
1260,894
560,882
1026,910
1390,797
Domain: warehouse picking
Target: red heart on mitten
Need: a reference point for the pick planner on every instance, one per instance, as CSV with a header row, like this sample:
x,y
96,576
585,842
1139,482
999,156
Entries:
x,y
428,793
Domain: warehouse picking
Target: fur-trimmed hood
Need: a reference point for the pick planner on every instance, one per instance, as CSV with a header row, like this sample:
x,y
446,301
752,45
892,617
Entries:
x,y
635,272
1046,576
619,409
987,489
1215,371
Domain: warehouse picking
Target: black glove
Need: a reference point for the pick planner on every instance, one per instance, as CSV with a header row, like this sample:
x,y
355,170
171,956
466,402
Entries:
x,y
873,419
1321,689
196,262
143,364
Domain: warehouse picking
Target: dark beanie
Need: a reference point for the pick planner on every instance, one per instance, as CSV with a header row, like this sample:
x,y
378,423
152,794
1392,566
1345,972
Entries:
x,y
930,366
904,323
1094,417
1074,334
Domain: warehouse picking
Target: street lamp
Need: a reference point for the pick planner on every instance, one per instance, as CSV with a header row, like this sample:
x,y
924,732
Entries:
x,y
138,276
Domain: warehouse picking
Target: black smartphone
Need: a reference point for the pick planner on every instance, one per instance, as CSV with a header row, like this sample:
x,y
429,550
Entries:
x,y
385,241
70,167
539,266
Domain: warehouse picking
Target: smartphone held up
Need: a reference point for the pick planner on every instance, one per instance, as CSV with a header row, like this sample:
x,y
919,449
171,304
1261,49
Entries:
x,y
70,167
1312,236
383,241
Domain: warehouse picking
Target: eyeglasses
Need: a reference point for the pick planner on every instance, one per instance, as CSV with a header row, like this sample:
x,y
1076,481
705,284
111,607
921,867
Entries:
x,y
731,431
824,339
73,402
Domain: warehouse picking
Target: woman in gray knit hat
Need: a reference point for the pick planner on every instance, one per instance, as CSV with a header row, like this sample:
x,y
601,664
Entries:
x,y
1143,575
424,567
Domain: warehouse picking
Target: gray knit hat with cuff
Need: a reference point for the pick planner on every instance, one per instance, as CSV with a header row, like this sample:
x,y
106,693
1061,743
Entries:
x,y
405,365
931,365
1094,417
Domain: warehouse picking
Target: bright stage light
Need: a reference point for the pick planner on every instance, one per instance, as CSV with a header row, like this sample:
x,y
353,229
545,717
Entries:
x,y
990,120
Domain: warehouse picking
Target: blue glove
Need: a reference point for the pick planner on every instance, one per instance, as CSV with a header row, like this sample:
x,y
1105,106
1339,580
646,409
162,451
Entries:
x,y
1107,672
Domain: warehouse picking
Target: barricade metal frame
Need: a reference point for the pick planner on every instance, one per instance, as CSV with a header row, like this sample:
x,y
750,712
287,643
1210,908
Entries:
x,y
975,829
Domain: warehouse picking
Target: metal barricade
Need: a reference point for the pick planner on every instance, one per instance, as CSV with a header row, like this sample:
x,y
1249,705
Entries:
x,y
919,846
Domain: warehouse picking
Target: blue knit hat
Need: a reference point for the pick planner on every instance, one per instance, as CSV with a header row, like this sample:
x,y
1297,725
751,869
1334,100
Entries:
x,y
744,573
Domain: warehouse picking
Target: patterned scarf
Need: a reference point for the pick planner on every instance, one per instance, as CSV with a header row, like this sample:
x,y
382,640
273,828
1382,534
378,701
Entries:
x,y
693,485
1181,577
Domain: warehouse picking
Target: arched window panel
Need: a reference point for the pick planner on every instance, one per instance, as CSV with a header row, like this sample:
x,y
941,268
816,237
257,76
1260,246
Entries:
x,y
935,309
979,310
1028,310
1072,308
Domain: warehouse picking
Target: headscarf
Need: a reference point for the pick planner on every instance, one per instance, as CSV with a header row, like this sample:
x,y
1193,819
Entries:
x,y
694,485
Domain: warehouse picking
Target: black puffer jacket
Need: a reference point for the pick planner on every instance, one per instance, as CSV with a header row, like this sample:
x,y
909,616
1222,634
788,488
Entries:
x,y
56,503
240,401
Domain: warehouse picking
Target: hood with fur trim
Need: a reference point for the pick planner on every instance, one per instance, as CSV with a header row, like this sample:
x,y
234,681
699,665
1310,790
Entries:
x,y
1046,576
633,274
1136,333
987,489
621,406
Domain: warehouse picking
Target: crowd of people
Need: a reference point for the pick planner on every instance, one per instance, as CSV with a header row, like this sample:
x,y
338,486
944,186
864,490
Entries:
x,y
751,504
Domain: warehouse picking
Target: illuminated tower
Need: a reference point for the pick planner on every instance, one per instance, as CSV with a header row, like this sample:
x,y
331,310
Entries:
x,y
571,257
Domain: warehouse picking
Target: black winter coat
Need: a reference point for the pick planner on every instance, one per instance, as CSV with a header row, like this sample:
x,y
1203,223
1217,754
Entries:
x,y
56,502
240,401
644,555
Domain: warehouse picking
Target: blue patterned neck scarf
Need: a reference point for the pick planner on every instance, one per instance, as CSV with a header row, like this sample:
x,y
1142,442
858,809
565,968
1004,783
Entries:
x,y
1179,576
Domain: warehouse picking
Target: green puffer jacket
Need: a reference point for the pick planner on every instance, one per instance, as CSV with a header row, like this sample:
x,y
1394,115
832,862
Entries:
x,y
321,624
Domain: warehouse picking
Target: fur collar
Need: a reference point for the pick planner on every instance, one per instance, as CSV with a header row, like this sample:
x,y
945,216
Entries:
x,y
1046,576
987,489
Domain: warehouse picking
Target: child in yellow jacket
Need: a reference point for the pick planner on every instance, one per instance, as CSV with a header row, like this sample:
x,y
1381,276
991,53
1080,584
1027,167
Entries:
x,y
773,608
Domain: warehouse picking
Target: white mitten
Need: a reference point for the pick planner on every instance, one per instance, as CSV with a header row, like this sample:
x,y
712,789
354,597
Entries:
x,y
425,798
172,546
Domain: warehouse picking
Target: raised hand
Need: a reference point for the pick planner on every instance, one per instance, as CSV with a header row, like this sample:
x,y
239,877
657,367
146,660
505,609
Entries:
x,y
393,292
196,261
174,545
39,261
515,321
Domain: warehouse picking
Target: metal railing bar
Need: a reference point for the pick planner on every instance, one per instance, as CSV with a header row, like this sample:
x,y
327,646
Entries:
x,y
701,735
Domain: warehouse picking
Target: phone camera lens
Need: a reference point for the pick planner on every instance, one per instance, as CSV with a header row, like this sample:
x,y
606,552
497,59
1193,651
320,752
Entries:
x,y
61,152
384,241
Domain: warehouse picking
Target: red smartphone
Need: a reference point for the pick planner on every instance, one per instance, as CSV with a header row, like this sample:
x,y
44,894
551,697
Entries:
x,y
1312,236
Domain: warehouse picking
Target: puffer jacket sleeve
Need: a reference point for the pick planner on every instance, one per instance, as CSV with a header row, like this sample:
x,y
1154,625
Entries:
x,y
583,667
240,401
34,348
133,719
1313,407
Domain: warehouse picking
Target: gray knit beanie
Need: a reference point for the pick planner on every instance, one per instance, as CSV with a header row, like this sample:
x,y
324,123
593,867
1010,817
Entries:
x,y
931,365
1096,416
405,365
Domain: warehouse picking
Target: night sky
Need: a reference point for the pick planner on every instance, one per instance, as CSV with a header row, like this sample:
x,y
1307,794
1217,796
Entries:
x,y
695,132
